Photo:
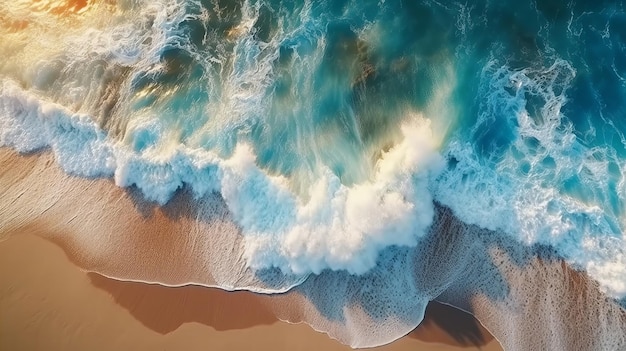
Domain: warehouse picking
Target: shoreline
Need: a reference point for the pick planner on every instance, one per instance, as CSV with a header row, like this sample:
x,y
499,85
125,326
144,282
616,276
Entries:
x,y
46,273
140,235
34,181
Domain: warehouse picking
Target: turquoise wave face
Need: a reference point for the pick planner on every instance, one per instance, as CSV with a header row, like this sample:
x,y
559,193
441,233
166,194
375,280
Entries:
x,y
305,84
291,108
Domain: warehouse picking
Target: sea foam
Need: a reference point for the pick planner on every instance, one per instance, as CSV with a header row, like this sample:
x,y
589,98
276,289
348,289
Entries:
x,y
530,188
339,227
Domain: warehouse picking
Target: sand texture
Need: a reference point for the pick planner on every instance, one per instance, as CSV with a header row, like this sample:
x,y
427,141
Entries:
x,y
49,304
58,232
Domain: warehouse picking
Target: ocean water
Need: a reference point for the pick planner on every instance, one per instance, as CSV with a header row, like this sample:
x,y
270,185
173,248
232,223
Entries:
x,y
333,132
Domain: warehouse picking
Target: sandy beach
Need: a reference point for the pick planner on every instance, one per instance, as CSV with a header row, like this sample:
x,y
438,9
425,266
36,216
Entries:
x,y
49,303
50,299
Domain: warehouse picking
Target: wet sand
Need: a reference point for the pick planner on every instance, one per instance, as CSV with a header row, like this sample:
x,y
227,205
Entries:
x,y
47,303
47,223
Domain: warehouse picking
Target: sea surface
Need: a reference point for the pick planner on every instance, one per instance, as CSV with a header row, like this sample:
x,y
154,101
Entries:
x,y
334,131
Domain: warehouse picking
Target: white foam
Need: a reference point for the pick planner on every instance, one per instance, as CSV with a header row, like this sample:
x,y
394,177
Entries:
x,y
521,192
339,227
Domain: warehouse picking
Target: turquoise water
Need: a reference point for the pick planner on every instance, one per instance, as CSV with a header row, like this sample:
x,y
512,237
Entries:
x,y
331,128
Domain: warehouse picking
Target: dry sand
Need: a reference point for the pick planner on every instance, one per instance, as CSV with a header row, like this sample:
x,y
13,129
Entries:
x,y
48,303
